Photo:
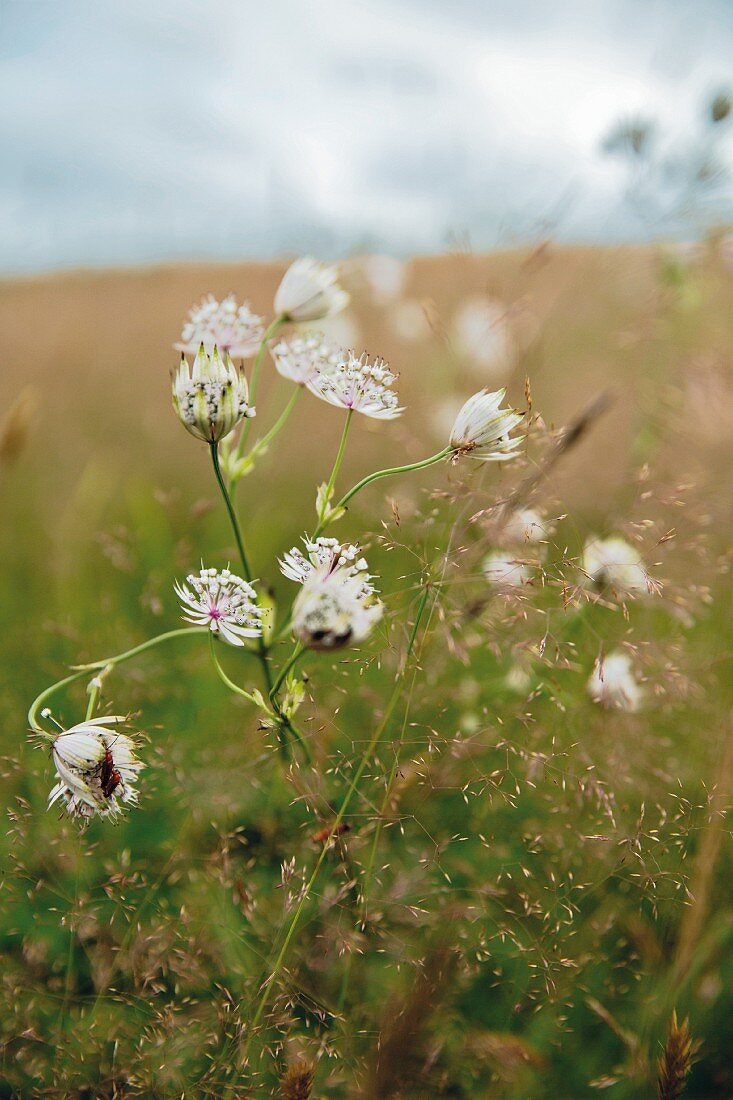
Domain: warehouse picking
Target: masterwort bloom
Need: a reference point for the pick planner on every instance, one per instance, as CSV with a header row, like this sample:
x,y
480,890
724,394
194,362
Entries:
x,y
332,609
612,682
483,428
96,768
330,555
355,383
211,399
233,329
222,601
614,563
527,525
309,290
505,571
303,357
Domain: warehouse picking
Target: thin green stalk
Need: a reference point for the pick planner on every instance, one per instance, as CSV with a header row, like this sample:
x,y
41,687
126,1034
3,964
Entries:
x,y
82,670
225,679
262,444
336,467
421,465
255,377
346,802
289,664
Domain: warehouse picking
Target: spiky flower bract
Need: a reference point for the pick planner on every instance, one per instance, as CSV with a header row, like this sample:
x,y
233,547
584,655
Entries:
x,y
212,398
356,384
222,601
233,329
333,610
483,429
96,766
301,358
309,291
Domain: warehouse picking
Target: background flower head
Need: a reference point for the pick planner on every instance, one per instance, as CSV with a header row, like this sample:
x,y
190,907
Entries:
x,y
234,329
309,291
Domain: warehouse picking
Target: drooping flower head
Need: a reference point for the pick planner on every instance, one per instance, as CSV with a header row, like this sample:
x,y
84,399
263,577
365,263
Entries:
x,y
614,563
222,601
613,684
234,330
301,358
309,291
355,383
332,610
327,554
483,429
211,399
96,767
503,570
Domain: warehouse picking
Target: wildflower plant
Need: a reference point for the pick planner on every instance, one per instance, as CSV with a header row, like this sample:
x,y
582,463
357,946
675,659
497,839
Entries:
x,y
295,638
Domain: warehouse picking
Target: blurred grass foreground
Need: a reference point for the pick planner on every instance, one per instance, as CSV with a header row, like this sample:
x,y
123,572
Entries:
x,y
528,885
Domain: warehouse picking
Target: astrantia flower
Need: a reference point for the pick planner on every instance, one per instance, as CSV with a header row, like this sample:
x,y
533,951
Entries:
x,y
96,767
223,602
233,329
505,571
612,682
332,610
483,428
359,385
309,290
328,554
303,357
483,333
211,399
526,525
613,563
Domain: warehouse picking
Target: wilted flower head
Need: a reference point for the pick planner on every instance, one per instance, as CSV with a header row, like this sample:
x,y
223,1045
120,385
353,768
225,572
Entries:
x,y
613,563
505,571
308,291
526,525
612,682
359,385
96,767
330,555
233,329
483,428
211,399
223,602
332,609
303,357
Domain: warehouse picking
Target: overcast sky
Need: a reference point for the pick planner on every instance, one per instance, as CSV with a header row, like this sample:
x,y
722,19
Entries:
x,y
137,130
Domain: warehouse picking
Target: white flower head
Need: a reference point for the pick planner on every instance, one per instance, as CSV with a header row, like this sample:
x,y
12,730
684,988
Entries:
x,y
211,399
332,610
483,333
386,276
355,383
612,682
308,291
301,358
614,563
96,767
233,329
504,571
526,525
483,428
327,554
222,601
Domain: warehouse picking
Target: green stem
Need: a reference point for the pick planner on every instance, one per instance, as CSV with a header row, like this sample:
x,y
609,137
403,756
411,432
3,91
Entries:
x,y
262,444
225,679
336,467
305,897
82,670
290,663
232,514
254,380
421,465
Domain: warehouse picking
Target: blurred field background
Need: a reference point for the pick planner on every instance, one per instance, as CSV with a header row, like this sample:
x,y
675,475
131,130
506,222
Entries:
x,y
553,879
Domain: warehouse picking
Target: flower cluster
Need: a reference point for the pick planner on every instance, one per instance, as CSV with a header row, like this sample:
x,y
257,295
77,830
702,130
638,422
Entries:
x,y
334,609
233,329
96,767
355,383
329,554
222,601
302,358
211,399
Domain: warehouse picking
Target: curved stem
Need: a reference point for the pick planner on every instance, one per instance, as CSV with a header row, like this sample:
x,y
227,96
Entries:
x,y
262,444
336,467
232,514
254,380
80,671
421,465
225,679
289,664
